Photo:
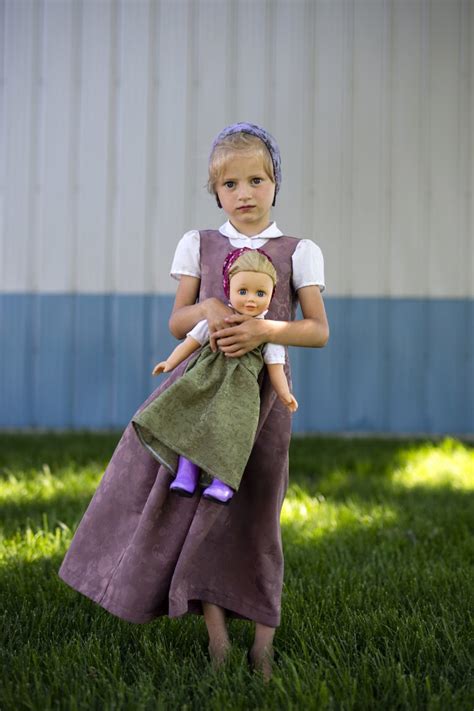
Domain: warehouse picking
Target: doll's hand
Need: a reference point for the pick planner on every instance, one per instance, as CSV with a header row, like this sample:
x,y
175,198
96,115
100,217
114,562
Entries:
x,y
290,401
215,313
163,367
241,334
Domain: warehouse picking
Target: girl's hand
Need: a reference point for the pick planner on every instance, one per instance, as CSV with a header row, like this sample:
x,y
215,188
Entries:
x,y
215,313
290,401
240,335
163,367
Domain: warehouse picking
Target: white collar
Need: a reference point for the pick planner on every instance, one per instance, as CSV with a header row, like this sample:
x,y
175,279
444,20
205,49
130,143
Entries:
x,y
228,230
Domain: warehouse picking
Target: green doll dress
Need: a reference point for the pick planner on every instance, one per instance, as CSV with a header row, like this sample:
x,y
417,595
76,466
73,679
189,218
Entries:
x,y
209,415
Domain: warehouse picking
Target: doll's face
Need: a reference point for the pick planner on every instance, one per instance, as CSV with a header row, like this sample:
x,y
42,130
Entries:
x,y
251,292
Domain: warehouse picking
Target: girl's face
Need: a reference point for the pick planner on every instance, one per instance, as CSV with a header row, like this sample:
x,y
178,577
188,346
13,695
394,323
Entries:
x,y
246,193
251,292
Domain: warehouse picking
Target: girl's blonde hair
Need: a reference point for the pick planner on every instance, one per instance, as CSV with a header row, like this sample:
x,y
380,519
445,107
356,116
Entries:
x,y
253,261
243,143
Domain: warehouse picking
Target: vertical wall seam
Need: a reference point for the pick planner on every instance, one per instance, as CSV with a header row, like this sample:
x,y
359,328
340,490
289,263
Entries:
x,y
467,21
310,127
232,41
150,183
110,255
192,78
77,36
76,19
150,152
347,165
3,135
3,171
271,9
30,198
385,229
34,304
425,190
111,148
37,126
465,141
462,163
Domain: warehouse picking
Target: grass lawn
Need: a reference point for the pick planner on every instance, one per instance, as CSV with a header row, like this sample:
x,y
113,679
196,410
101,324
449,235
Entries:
x,y
377,602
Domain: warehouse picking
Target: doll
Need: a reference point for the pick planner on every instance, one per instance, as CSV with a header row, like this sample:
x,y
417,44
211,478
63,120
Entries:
x,y
207,420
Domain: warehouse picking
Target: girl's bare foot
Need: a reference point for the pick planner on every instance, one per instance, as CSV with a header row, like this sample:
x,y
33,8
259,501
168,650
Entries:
x,y
261,660
219,653
219,643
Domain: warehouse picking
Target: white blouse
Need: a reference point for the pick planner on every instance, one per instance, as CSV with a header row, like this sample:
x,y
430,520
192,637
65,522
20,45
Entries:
x,y
307,259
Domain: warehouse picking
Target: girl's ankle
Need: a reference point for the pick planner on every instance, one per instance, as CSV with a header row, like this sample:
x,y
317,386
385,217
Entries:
x,y
261,660
219,651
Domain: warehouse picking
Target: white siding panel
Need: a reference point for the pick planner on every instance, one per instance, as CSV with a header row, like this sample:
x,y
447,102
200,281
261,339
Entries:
x,y
409,243
93,169
208,110
367,270
326,223
446,255
469,192
173,65
248,38
129,248
16,256
3,124
56,247
109,109
288,121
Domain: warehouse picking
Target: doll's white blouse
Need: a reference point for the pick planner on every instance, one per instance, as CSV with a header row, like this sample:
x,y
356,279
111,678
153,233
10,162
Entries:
x,y
307,259
272,352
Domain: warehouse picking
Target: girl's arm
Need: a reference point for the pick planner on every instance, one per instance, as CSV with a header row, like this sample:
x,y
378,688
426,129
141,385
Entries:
x,y
280,384
179,354
186,312
244,333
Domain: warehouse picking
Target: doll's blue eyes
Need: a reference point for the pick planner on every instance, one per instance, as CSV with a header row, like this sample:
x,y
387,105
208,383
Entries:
x,y
260,293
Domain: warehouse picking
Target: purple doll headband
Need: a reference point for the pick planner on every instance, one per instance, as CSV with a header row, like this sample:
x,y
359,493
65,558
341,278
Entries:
x,y
229,261
265,137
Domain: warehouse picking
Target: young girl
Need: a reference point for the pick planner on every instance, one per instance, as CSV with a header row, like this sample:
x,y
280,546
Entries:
x,y
140,552
209,416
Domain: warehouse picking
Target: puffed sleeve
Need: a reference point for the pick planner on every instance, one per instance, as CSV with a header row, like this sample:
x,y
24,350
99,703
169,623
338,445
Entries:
x,y
200,332
308,265
186,261
273,353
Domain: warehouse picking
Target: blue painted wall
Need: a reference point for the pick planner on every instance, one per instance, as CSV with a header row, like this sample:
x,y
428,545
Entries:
x,y
391,365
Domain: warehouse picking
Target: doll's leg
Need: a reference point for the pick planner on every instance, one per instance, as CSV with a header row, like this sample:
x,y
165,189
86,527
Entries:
x,y
261,654
219,643
218,491
186,478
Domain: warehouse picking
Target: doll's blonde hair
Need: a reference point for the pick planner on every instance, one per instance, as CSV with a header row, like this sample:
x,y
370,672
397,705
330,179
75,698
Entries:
x,y
240,143
253,261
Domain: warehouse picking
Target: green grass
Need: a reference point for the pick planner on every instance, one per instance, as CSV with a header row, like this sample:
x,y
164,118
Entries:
x,y
377,602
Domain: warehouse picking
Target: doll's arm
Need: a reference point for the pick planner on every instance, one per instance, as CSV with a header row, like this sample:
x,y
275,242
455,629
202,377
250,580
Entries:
x,y
179,354
280,383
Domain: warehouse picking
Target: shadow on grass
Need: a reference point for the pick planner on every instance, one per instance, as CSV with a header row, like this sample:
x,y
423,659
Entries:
x,y
378,599
24,451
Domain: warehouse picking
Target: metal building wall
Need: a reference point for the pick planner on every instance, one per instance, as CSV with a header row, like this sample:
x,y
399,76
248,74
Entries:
x,y
107,112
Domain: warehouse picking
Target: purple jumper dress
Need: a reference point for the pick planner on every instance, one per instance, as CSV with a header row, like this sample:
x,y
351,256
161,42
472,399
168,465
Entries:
x,y
140,551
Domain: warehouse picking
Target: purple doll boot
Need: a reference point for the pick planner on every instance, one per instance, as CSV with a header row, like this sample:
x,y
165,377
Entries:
x,y
218,492
186,478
